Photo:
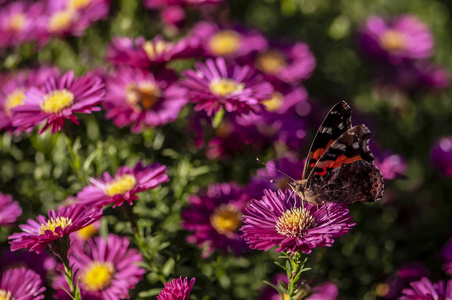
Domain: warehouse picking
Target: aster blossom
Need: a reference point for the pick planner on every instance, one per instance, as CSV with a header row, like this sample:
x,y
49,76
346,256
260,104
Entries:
x,y
177,289
108,269
441,155
37,235
42,263
280,220
139,98
9,209
58,100
21,284
424,289
123,186
216,85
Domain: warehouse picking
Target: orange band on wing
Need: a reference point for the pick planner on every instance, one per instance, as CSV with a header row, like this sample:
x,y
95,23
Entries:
x,y
329,164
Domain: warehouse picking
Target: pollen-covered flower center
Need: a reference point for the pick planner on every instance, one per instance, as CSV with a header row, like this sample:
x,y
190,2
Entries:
x,y
120,185
78,4
53,224
14,99
97,276
275,102
271,61
155,49
61,20
6,295
143,95
392,40
224,87
226,219
54,102
225,42
87,232
17,22
295,222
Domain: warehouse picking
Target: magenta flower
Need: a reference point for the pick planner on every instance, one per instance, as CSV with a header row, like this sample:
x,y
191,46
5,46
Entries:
x,y
173,16
215,85
58,100
143,54
21,284
392,166
177,289
161,4
403,38
38,234
136,97
279,220
424,289
325,291
290,64
441,155
214,218
9,209
231,43
107,269
40,263
123,186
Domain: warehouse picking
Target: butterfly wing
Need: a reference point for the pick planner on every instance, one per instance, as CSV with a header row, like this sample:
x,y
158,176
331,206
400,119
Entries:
x,y
337,121
345,172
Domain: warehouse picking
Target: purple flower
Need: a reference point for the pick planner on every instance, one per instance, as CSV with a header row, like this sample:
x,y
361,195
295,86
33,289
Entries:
x,y
214,218
21,284
441,155
424,289
161,4
173,16
325,291
289,64
58,100
9,209
392,166
231,43
177,289
38,234
40,263
280,220
107,269
143,54
123,186
136,97
403,38
215,85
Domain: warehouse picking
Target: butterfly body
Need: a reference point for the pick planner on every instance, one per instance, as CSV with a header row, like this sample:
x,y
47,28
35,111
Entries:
x,y
339,167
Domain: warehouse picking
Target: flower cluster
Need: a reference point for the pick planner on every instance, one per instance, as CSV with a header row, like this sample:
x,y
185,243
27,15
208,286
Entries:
x,y
21,283
9,209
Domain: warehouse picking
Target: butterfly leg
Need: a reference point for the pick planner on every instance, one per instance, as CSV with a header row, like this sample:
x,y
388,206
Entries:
x,y
326,209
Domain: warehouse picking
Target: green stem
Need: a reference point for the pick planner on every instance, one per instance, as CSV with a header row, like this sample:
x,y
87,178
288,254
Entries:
x,y
143,247
218,118
75,162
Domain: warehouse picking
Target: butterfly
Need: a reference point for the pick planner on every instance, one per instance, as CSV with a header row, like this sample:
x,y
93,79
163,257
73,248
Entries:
x,y
339,167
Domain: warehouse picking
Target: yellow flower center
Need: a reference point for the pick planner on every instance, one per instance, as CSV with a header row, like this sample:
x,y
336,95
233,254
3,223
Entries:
x,y
143,95
155,49
224,87
97,276
286,297
225,42
61,20
295,222
78,4
54,102
382,289
392,40
52,224
226,219
5,295
270,62
14,99
121,185
17,22
87,232
275,102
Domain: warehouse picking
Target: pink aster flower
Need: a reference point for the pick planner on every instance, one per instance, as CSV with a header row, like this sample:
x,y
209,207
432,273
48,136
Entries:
x,y
441,155
231,43
137,97
107,269
161,4
9,209
38,234
214,218
58,100
215,85
123,186
21,284
280,220
177,289
402,38
42,263
424,289
143,54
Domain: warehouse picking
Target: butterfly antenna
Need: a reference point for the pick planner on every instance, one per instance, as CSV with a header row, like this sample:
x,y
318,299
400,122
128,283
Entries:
x,y
326,209
274,168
